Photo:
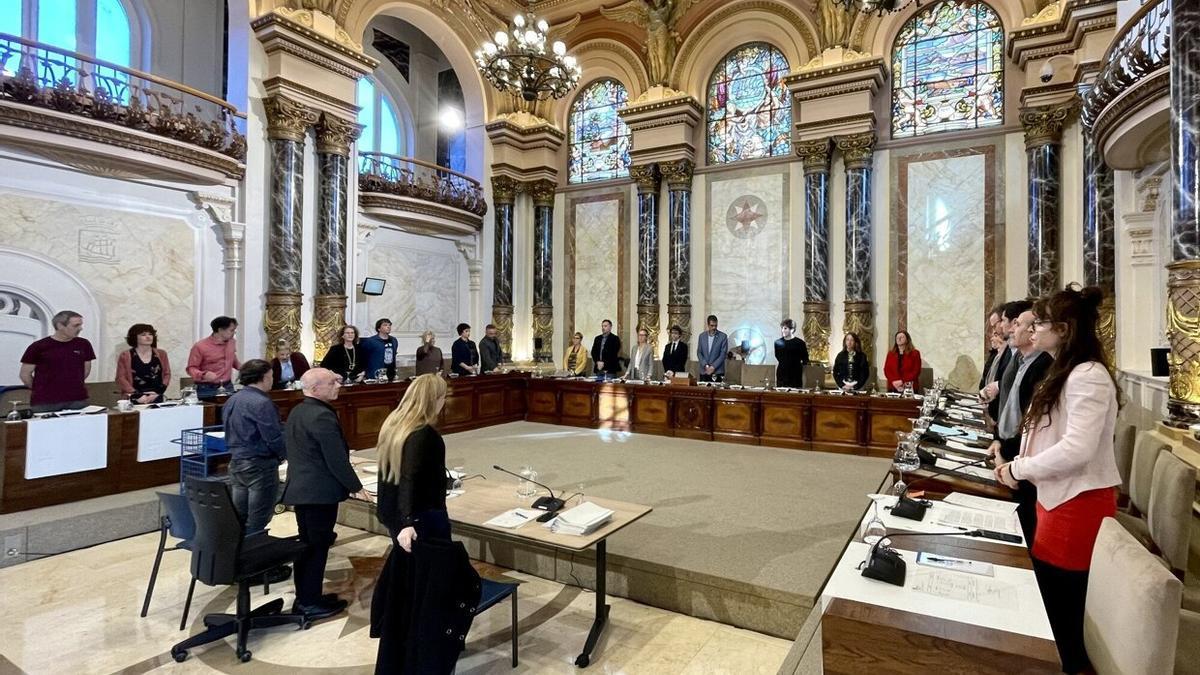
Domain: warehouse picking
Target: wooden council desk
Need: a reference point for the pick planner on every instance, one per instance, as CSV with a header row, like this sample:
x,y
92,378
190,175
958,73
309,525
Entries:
x,y
858,424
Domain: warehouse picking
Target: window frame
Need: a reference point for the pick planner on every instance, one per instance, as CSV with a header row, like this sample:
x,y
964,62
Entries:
x,y
85,29
719,69
622,172
381,94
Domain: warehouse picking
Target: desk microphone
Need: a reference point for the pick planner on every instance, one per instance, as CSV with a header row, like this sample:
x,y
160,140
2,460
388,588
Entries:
x,y
549,504
913,509
886,564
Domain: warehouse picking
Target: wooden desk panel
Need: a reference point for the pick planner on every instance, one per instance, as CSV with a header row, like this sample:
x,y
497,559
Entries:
x,y
614,403
651,410
735,416
542,401
577,404
691,412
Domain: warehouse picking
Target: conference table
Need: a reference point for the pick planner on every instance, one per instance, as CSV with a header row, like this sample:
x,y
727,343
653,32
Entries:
x,y
940,620
858,424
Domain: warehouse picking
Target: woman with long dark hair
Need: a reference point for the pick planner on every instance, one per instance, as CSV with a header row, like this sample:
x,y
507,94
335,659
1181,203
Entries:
x,y
345,358
903,363
850,366
1067,453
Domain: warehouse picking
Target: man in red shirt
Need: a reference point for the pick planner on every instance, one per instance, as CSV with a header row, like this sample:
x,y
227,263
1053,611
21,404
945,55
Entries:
x,y
212,360
56,366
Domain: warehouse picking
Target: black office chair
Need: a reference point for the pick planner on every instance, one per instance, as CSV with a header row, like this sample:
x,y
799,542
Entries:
x,y
493,592
220,556
178,522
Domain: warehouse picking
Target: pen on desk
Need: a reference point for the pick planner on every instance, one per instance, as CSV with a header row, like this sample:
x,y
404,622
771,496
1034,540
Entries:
x,y
521,515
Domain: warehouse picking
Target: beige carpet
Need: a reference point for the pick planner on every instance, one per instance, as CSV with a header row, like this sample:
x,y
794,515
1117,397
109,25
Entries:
x,y
777,519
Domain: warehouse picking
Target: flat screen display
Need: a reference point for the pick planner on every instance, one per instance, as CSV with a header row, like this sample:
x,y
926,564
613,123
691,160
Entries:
x,y
373,286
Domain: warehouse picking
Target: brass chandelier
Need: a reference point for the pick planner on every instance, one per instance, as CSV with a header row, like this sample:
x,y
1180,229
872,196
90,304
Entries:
x,y
518,61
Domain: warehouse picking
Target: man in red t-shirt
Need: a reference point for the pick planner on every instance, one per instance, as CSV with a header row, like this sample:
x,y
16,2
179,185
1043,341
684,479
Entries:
x,y
56,366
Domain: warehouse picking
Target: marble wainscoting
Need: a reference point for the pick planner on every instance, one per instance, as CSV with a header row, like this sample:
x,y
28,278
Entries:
x,y
423,292
748,257
945,237
597,272
136,268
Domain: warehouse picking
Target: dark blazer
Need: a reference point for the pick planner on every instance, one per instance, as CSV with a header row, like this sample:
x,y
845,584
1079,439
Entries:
x,y
423,606
611,356
987,364
676,361
842,369
1035,373
337,359
319,470
489,354
993,408
463,352
299,368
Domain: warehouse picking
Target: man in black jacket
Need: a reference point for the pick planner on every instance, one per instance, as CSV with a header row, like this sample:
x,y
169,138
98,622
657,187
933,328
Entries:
x,y
606,349
490,356
675,354
319,477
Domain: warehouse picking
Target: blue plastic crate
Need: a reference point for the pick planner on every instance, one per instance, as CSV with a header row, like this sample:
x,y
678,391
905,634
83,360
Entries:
x,y
197,452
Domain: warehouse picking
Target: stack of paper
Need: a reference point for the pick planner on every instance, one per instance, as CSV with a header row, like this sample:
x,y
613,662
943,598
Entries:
x,y
981,503
976,519
583,519
514,518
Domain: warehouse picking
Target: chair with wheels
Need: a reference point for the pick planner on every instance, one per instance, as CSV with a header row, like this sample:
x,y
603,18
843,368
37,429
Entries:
x,y
176,521
493,592
222,556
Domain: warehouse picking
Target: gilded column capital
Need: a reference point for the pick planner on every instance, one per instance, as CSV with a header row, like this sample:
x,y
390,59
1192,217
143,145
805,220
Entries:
x,y
1044,124
542,192
504,189
647,178
288,119
334,135
678,173
814,155
857,149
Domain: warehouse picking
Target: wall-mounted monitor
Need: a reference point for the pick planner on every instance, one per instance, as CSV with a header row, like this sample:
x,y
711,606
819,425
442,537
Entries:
x,y
373,286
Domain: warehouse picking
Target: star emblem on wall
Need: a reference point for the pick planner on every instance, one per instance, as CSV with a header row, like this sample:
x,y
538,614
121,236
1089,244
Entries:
x,y
746,216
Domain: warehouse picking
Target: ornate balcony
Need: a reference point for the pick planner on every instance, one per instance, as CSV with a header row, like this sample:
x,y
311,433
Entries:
x,y
1128,106
419,196
98,115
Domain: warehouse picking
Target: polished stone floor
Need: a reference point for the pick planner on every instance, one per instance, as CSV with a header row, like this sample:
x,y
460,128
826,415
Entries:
x,y
78,613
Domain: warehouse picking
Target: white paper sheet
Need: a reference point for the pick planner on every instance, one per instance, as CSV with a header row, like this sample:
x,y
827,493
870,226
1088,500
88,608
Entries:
x,y
1019,609
961,467
514,518
157,429
62,445
981,503
927,524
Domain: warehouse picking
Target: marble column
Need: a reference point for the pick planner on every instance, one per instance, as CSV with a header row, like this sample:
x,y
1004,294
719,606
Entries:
x,y
1043,152
334,136
858,154
287,127
648,183
816,328
1183,285
504,192
542,192
1099,238
678,175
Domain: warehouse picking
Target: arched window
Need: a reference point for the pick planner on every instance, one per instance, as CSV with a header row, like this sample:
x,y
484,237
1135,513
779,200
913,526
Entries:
x,y
599,147
377,115
948,70
100,28
749,109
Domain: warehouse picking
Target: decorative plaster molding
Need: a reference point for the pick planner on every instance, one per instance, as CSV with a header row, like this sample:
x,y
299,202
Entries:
x,y
335,134
1050,12
1148,192
658,92
320,21
1044,124
832,57
218,207
524,120
709,22
287,119
647,178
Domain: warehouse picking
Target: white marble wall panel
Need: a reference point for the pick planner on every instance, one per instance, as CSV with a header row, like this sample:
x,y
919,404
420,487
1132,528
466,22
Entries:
x,y
422,292
135,268
597,262
946,220
747,259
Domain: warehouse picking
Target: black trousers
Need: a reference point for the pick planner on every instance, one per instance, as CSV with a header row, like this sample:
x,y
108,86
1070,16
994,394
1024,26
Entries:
x,y
1026,495
1064,593
315,522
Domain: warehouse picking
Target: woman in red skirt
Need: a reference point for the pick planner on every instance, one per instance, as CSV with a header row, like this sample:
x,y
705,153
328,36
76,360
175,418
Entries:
x,y
1067,452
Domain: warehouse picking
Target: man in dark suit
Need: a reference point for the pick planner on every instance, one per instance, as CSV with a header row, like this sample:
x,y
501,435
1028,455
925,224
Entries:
x,y
993,350
489,350
319,477
606,349
711,349
675,354
1006,369
1028,366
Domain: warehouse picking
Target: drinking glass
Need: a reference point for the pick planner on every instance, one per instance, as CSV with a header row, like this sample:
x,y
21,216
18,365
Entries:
x,y
381,375
527,488
908,390
14,415
906,459
873,530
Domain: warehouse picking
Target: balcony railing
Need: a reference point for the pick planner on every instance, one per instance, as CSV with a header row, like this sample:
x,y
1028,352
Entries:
x,y
408,177
1141,49
45,76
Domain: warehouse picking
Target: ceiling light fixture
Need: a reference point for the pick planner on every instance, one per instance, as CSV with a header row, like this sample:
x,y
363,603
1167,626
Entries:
x,y
520,62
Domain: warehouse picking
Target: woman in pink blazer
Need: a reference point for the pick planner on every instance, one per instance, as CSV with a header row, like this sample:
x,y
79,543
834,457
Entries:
x,y
143,371
1067,453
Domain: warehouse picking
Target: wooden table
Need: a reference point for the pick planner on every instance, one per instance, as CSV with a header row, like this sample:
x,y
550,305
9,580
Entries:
x,y
483,501
860,637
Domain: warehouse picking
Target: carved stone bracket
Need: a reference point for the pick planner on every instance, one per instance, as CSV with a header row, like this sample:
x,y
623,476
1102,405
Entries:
x,y
288,119
1044,124
504,189
678,173
857,150
1183,334
335,135
814,155
817,329
646,177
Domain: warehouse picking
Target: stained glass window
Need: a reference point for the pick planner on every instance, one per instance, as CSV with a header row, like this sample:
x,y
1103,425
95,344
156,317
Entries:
x,y
749,109
599,137
948,70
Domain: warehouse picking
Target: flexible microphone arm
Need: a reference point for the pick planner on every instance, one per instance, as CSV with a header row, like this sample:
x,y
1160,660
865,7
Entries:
x,y
915,510
500,468
887,565
549,504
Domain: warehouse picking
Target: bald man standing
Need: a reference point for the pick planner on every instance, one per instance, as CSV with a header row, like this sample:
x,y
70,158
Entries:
x,y
319,478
